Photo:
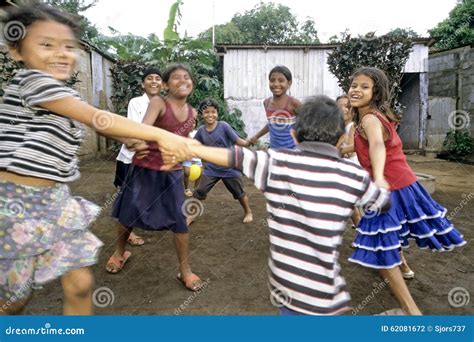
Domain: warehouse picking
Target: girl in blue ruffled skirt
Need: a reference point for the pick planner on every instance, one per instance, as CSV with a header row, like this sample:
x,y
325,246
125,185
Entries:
x,y
413,213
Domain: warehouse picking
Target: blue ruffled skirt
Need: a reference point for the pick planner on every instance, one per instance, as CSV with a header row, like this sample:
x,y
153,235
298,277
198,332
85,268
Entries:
x,y
413,215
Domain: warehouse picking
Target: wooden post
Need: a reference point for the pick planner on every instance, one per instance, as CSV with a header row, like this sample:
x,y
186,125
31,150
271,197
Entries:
x,y
423,109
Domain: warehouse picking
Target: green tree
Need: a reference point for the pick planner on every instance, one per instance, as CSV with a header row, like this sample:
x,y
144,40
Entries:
x,y
135,53
75,7
388,52
266,23
458,29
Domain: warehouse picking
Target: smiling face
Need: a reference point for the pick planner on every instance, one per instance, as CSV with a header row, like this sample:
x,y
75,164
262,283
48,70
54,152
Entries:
x,y
361,92
180,84
279,84
50,47
210,115
152,85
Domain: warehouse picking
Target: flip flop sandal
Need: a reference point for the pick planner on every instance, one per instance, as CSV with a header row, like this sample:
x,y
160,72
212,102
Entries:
x,y
115,263
135,240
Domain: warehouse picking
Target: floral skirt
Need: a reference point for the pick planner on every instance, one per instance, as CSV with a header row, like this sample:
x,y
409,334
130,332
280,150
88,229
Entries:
x,y
414,214
44,233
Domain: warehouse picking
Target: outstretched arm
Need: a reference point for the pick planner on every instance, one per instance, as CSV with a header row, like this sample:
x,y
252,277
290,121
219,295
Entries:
x,y
115,125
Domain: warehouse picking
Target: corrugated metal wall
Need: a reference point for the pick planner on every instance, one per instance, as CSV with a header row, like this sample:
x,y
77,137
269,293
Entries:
x,y
246,76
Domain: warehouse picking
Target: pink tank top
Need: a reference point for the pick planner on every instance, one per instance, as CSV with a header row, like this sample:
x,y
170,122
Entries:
x,y
397,172
168,122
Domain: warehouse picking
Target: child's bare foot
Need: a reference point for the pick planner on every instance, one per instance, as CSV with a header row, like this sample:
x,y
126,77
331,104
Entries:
x,y
248,217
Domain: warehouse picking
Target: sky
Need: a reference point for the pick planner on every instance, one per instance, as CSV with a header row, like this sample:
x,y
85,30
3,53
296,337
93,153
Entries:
x,y
142,17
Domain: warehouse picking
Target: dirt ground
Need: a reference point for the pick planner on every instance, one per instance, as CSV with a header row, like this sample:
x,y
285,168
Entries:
x,y
232,257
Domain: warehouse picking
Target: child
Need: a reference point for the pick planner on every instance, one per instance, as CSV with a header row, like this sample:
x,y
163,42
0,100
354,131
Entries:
x,y
220,134
280,110
152,198
414,214
310,194
187,165
346,143
43,228
151,84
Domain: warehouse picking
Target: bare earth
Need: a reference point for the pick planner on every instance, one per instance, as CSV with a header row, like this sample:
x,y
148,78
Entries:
x,y
232,257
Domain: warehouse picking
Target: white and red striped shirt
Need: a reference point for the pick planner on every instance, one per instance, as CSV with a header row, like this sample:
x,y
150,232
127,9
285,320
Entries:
x,y
310,192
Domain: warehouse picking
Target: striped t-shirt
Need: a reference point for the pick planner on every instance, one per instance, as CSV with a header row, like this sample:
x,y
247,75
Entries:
x,y
34,141
310,194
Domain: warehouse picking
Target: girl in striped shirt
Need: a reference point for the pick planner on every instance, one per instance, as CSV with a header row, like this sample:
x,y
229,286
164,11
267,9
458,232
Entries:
x,y
44,230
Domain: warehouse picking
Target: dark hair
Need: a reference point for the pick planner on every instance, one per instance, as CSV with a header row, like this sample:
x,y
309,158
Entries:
x,y
18,20
176,66
380,93
151,71
319,119
207,102
282,70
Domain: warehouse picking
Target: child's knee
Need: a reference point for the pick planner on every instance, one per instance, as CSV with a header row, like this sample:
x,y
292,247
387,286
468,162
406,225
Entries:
x,y
78,283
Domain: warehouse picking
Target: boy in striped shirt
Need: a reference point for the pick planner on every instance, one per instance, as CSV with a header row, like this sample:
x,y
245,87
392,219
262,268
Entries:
x,y
311,192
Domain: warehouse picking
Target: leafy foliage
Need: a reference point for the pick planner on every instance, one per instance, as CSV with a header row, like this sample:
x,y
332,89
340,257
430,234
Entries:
x,y
136,53
173,22
458,29
267,23
75,7
388,52
458,143
8,68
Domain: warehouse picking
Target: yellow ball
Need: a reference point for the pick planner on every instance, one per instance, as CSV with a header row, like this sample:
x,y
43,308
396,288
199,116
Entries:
x,y
194,172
